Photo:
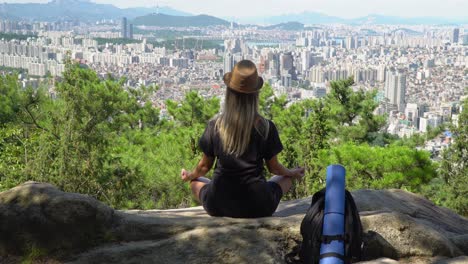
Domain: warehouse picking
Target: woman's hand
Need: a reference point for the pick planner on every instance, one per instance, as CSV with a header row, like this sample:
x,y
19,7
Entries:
x,y
202,168
185,175
297,173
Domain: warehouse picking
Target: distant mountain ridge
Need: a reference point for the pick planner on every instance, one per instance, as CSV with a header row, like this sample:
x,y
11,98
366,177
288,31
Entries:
x,y
393,20
164,20
286,26
76,10
85,10
308,17
305,18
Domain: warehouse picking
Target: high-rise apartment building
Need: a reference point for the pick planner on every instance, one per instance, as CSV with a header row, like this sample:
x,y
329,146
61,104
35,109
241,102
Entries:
x,y
381,72
412,114
286,62
305,60
286,80
123,32
274,65
429,120
130,31
465,39
455,35
315,59
395,89
350,43
233,45
228,62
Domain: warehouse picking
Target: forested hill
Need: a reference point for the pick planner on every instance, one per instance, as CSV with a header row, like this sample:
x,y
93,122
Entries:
x,y
83,10
286,26
163,20
99,138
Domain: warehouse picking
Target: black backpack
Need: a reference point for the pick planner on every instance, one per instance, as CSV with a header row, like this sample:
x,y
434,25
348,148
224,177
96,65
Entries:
x,y
311,231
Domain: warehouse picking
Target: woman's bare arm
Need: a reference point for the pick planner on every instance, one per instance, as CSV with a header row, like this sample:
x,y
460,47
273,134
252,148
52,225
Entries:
x,y
203,167
275,167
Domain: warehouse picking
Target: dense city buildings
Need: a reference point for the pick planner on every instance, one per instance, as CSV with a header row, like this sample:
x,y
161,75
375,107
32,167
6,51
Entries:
x,y
420,72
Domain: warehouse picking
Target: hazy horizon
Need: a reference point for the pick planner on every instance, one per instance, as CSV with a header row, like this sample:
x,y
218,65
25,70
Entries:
x,y
339,8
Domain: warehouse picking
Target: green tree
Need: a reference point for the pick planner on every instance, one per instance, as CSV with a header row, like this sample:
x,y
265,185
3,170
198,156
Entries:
x,y
418,140
9,98
315,137
352,112
451,188
68,141
305,128
14,154
194,112
270,106
380,167
19,130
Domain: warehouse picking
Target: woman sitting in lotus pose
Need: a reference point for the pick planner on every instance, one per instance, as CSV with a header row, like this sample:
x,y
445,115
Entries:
x,y
241,141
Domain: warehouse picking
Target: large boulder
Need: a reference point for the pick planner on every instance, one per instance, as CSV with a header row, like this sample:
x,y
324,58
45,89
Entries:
x,y
38,216
413,225
399,227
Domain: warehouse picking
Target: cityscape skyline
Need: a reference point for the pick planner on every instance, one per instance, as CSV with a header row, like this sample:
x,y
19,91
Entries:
x,y
417,72
339,8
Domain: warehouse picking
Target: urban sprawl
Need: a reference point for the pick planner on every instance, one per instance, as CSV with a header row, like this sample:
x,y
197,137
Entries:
x,y
420,72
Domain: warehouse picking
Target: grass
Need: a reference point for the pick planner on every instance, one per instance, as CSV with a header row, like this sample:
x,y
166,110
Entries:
x,y
35,255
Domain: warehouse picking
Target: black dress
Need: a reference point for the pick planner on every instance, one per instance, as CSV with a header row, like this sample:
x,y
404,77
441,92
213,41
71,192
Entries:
x,y
239,188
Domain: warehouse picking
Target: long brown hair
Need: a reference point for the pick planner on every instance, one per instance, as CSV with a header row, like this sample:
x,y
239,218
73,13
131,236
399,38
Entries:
x,y
235,122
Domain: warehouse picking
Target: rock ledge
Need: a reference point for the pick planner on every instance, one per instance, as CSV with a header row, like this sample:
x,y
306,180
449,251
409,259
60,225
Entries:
x,y
77,228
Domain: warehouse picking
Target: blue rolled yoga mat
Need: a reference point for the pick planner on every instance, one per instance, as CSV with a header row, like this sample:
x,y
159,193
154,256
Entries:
x,y
334,215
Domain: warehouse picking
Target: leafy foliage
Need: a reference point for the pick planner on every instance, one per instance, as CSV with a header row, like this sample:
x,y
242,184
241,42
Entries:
x,y
11,36
68,140
380,167
97,137
117,41
187,43
451,187
342,129
9,98
352,112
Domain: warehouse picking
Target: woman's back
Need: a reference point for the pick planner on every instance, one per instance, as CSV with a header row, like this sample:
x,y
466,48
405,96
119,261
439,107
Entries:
x,y
239,140
239,187
249,167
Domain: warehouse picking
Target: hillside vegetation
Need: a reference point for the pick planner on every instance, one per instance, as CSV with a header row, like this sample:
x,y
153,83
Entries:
x,y
163,20
96,137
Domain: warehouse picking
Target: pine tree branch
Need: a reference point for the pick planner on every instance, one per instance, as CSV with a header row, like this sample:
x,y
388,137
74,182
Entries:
x,y
33,119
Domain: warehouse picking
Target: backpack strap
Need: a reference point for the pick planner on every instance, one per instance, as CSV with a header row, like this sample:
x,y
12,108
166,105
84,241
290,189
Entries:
x,y
328,239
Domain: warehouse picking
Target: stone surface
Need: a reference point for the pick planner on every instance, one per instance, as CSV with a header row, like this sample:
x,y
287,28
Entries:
x,y
419,260
37,215
419,208
458,260
407,236
400,227
380,261
461,242
226,244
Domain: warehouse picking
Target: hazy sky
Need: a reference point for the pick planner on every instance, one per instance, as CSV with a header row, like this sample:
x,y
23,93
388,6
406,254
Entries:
x,y
341,8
